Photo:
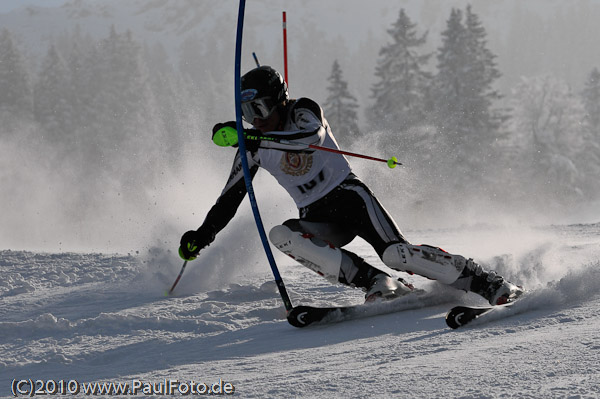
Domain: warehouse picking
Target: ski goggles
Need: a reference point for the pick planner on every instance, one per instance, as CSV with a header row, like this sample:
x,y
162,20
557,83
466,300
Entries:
x,y
260,108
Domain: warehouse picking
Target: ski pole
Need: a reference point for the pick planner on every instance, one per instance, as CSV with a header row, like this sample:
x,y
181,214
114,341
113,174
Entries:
x,y
227,136
176,280
391,163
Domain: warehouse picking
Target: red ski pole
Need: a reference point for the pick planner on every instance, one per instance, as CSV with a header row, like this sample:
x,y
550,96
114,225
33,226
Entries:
x,y
176,280
227,136
392,162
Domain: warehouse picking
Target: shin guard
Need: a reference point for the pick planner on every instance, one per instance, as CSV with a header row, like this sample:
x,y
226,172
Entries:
x,y
424,260
315,254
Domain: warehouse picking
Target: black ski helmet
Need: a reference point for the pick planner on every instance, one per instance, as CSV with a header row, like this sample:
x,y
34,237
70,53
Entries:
x,y
264,82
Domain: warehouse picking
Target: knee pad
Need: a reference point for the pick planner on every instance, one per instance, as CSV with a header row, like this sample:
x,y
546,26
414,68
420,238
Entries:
x,y
424,260
315,254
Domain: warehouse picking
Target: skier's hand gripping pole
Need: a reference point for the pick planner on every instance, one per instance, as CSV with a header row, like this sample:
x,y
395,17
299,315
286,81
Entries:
x,y
226,136
192,242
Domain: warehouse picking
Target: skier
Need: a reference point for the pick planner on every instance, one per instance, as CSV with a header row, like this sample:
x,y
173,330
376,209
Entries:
x,y
334,205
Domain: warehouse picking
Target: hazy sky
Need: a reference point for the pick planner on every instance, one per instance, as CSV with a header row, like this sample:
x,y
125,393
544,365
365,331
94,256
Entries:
x,y
8,5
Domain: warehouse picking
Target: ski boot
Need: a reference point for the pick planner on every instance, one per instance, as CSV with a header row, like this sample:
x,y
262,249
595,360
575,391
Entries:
x,y
385,287
490,285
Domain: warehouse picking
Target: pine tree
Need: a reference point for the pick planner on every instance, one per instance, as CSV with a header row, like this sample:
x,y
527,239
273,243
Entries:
x,y
591,98
449,80
464,97
466,73
52,98
547,137
483,73
16,100
340,107
201,64
175,96
80,66
120,132
400,92
590,160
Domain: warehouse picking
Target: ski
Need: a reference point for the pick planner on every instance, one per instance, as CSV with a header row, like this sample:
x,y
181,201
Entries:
x,y
459,316
302,316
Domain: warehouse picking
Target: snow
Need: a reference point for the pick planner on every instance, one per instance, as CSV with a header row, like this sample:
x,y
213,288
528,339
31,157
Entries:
x,y
104,317
95,317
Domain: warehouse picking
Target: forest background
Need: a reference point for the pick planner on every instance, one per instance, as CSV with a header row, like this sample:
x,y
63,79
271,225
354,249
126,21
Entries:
x,y
106,120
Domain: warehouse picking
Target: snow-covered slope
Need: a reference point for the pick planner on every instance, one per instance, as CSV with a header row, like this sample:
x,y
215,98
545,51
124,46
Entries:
x,y
104,318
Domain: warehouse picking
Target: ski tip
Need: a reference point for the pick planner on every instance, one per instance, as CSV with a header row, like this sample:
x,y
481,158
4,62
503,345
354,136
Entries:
x,y
458,316
302,316
299,316
453,320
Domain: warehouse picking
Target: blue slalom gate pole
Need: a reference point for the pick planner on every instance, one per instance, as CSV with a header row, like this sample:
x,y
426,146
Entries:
x,y
243,156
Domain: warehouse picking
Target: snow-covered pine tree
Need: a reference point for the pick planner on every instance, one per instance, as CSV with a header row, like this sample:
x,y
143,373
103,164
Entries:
x,y
120,130
450,79
169,92
79,63
591,157
591,100
52,99
16,99
483,74
201,63
546,131
463,97
400,91
340,107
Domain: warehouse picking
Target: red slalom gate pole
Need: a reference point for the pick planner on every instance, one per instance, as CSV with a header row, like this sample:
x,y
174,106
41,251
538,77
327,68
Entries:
x,y
285,61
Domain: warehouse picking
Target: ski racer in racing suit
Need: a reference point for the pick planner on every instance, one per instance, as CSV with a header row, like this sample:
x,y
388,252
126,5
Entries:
x,y
334,205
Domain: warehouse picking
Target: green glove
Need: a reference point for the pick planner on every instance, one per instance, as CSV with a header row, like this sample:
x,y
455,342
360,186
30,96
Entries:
x,y
193,241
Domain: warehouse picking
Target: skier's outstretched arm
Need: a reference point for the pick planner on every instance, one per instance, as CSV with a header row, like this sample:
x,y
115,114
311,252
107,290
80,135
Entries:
x,y
221,213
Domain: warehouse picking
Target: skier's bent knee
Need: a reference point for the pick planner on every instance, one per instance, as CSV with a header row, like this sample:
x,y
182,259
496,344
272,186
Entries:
x,y
333,263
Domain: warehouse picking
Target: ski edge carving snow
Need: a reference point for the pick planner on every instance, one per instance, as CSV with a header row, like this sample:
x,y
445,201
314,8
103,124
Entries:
x,y
462,315
303,315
